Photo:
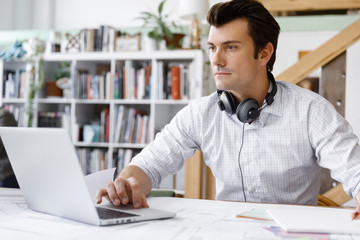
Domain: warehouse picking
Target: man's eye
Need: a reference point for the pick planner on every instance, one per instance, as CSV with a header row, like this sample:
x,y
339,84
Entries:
x,y
211,48
231,47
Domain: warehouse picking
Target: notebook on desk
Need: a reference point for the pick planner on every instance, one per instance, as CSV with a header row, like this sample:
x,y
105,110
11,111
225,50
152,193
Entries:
x,y
316,220
50,177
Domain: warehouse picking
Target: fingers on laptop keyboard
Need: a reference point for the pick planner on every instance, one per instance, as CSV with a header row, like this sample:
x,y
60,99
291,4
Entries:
x,y
100,194
112,193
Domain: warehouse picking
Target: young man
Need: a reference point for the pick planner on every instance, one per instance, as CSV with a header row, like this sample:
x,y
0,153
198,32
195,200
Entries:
x,y
263,140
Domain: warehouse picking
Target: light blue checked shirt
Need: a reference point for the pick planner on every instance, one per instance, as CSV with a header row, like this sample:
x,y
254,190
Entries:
x,y
275,159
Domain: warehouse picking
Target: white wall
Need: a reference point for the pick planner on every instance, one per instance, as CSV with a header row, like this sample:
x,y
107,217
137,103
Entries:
x,y
6,20
26,14
352,97
118,13
77,14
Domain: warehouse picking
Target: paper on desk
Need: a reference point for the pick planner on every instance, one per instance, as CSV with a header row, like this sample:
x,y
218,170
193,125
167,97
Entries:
x,y
256,214
316,220
99,180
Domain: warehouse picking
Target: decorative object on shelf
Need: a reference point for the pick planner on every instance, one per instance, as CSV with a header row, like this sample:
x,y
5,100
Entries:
x,y
161,27
65,84
16,52
52,90
127,42
54,43
62,75
195,11
73,42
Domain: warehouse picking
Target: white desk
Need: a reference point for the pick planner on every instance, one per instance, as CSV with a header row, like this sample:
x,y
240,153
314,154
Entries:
x,y
196,219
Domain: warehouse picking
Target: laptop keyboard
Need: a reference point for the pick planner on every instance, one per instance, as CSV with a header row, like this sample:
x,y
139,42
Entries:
x,y
105,213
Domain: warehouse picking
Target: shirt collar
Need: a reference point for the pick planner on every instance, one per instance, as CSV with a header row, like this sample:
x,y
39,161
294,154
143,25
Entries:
x,y
276,108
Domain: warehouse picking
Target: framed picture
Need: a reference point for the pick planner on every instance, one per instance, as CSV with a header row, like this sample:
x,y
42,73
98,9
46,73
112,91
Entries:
x,y
128,43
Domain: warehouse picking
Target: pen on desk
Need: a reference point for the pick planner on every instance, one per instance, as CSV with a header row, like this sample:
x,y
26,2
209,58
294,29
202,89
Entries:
x,y
355,215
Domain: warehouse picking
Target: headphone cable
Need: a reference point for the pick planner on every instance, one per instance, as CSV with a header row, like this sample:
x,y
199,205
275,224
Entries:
x,y
241,174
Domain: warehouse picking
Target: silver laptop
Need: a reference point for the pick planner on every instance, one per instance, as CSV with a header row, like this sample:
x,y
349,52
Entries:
x,y
50,177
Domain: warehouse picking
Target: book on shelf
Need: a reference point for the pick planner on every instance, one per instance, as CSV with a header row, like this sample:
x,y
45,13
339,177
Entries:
x,y
118,122
175,82
160,82
148,81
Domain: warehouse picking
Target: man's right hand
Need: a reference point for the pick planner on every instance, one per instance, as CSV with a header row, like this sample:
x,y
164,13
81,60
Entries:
x,y
126,190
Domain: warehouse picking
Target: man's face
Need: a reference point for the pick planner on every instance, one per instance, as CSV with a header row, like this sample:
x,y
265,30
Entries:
x,y
232,58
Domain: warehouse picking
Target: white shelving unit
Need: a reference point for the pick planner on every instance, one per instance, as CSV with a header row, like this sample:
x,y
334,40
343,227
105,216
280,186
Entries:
x,y
160,111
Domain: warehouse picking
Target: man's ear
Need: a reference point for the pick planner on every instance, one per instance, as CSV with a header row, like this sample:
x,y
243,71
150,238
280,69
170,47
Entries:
x,y
266,53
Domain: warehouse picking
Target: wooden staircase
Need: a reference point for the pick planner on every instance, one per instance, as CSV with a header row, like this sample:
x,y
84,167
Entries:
x,y
309,5
322,55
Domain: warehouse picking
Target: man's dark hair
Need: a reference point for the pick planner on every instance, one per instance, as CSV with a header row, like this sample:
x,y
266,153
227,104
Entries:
x,y
262,26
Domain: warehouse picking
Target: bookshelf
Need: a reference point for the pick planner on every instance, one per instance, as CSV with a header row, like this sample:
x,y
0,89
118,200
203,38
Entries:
x,y
90,109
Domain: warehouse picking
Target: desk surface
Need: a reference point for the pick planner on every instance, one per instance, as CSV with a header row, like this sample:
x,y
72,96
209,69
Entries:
x,y
196,219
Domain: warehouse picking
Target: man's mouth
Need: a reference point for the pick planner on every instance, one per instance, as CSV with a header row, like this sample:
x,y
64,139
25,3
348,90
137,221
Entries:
x,y
222,74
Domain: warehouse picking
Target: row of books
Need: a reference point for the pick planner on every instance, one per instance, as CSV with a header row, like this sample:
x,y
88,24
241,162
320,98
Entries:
x,y
55,119
100,39
174,81
131,81
131,125
88,86
96,159
15,84
124,157
93,159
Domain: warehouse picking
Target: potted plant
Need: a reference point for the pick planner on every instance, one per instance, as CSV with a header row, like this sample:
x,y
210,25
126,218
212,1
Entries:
x,y
161,27
62,71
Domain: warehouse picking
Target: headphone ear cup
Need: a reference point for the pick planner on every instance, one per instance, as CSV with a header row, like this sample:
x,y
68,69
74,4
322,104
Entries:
x,y
247,110
227,102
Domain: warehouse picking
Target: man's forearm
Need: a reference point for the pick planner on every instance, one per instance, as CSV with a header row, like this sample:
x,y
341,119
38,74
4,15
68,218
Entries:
x,y
139,175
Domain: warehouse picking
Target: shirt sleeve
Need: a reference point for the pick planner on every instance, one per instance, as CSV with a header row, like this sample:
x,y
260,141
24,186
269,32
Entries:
x,y
336,146
167,153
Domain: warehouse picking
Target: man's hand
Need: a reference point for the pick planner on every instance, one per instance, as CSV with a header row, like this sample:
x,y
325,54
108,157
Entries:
x,y
356,215
131,186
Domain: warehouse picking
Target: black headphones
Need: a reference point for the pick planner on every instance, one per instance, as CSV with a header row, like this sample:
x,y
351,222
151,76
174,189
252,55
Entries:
x,y
249,109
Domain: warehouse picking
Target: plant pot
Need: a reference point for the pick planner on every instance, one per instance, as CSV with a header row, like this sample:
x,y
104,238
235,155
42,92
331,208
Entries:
x,y
52,90
175,42
150,44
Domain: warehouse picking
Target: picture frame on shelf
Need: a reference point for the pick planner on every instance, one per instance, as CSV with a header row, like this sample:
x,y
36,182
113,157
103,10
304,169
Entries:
x,y
128,43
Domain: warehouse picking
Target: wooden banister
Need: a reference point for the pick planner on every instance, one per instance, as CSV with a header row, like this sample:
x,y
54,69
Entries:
x,y
322,55
309,5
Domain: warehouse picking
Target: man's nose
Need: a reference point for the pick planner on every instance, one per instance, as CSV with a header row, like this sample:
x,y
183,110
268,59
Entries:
x,y
217,59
